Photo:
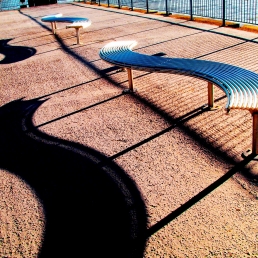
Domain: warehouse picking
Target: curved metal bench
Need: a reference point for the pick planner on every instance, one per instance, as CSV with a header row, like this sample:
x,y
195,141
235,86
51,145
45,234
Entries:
x,y
240,85
76,22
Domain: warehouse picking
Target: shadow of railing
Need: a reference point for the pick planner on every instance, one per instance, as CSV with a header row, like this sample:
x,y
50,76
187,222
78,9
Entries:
x,y
202,194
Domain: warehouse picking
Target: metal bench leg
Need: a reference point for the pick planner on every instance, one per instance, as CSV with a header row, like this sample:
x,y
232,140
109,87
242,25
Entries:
x,y
211,97
130,81
78,35
255,134
254,151
53,26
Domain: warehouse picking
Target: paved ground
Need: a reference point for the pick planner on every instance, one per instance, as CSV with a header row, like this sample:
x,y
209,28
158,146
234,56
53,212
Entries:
x,y
87,171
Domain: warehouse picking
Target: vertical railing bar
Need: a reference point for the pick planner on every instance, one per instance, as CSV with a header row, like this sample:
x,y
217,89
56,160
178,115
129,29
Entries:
x,y
241,7
252,12
191,10
243,13
249,4
223,13
246,8
147,5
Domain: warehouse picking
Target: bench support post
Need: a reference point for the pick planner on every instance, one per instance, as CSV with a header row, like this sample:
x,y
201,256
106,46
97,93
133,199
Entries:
x,y
130,79
254,151
78,35
210,95
255,134
53,26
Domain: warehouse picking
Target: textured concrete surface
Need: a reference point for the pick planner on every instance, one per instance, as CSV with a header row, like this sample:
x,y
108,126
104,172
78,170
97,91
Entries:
x,y
87,171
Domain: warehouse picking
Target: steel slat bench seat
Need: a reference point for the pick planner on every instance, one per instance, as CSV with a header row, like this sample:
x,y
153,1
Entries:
x,y
240,85
76,22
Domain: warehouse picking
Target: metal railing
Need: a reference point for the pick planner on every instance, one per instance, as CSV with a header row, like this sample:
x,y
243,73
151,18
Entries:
x,y
9,5
241,11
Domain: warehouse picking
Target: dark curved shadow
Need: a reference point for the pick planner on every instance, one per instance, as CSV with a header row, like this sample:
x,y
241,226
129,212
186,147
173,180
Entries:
x,y
14,53
91,210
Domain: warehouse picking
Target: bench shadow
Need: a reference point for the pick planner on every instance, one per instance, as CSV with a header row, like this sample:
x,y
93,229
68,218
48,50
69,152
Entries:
x,y
89,208
13,54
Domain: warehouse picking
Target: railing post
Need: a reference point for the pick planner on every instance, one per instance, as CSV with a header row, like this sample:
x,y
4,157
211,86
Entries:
x,y
147,5
119,4
191,10
223,13
166,7
132,5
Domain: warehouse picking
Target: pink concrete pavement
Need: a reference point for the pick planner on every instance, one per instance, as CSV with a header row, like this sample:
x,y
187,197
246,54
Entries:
x,y
87,171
